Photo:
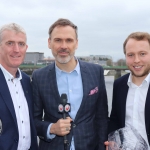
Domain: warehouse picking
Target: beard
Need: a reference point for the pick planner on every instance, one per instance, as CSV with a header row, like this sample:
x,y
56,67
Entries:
x,y
144,73
64,59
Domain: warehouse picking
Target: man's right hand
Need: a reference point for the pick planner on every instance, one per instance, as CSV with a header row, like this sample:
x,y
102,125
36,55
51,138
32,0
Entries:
x,y
61,127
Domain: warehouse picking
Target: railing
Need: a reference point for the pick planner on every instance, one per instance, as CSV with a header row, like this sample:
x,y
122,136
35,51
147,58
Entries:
x,y
24,66
30,68
115,67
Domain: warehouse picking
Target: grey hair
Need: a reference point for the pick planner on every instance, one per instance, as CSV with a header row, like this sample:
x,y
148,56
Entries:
x,y
12,27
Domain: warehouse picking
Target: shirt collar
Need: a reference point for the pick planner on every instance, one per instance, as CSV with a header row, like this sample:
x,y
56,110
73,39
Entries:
x,y
76,69
9,76
146,80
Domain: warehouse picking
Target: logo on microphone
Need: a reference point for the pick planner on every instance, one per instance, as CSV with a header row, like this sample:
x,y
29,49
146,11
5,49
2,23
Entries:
x,y
60,108
67,107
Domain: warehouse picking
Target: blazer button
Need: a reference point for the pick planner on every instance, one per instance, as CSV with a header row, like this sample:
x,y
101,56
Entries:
x,y
16,140
74,125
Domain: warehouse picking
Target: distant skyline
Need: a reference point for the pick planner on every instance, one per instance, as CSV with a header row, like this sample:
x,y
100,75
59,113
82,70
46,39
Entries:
x,y
103,25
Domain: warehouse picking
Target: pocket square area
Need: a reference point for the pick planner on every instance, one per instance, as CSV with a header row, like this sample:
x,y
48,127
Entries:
x,y
95,90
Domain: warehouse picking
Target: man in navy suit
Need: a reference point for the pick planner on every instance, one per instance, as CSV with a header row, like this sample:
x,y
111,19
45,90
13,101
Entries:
x,y
131,92
17,130
86,124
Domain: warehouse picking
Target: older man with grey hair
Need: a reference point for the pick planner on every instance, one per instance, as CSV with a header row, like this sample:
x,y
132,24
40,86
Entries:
x,y
17,131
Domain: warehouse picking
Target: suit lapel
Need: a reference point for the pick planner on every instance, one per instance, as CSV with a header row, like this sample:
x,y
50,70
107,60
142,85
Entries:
x,y
85,82
53,82
123,97
5,94
147,107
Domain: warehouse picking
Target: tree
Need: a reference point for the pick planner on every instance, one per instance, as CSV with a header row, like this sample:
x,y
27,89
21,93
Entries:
x,y
121,62
109,62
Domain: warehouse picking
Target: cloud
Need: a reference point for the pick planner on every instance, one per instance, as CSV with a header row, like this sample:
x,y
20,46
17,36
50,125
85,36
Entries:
x,y
103,24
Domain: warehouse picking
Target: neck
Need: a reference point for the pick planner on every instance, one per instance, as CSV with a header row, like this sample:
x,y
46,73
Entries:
x,y
12,71
68,67
138,80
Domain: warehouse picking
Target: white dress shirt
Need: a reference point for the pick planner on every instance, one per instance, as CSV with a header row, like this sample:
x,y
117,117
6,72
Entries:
x,y
135,106
21,108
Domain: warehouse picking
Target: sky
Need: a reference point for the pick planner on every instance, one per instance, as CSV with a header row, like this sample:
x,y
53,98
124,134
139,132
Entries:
x,y
103,25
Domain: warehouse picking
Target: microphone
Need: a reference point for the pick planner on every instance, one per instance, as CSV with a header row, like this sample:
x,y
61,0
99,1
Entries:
x,y
64,108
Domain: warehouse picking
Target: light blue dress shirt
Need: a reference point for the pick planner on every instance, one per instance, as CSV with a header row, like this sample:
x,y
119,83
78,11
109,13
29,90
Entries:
x,y
70,84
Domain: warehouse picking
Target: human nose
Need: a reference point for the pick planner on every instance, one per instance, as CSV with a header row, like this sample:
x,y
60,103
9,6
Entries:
x,y
63,45
16,47
136,60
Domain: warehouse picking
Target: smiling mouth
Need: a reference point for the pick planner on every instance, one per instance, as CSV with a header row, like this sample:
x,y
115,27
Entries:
x,y
137,67
15,56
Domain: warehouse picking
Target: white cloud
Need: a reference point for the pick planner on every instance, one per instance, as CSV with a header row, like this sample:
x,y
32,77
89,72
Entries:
x,y
103,24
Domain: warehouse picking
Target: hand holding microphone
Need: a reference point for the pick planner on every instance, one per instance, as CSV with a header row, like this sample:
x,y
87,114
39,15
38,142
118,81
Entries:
x,y
62,126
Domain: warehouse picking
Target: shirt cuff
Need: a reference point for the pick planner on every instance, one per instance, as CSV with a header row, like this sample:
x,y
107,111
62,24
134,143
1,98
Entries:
x,y
49,135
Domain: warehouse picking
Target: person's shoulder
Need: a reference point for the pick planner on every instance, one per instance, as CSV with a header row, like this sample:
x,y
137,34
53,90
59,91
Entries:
x,y
24,75
44,70
122,79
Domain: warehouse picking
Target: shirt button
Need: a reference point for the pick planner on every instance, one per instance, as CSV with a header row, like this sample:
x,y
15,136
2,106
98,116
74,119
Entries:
x,y
22,121
23,137
16,92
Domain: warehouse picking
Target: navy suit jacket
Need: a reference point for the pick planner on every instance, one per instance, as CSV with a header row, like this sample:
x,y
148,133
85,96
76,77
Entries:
x,y
9,135
117,117
90,125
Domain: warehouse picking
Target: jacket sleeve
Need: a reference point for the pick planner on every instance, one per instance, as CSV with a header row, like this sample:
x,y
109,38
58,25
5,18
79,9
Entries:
x,y
113,121
41,125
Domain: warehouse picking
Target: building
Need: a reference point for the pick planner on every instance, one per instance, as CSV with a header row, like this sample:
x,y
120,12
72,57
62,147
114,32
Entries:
x,y
33,57
100,59
97,59
46,61
84,58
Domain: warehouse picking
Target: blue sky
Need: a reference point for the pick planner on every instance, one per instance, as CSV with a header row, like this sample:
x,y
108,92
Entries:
x,y
103,24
